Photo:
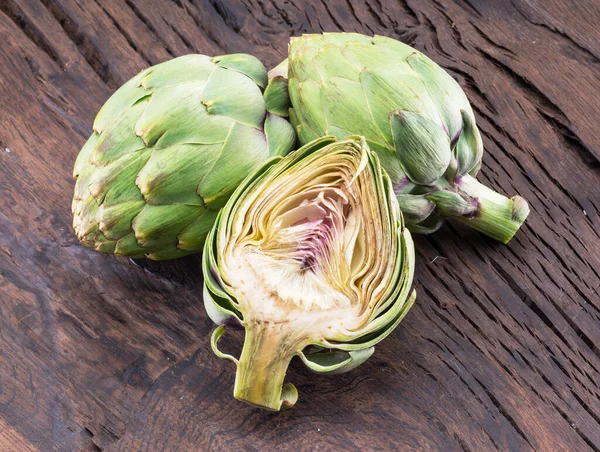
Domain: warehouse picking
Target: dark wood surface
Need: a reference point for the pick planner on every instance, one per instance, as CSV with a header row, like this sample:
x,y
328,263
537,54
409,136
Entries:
x,y
502,349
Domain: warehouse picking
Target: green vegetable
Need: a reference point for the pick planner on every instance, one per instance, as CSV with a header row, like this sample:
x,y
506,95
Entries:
x,y
169,148
311,257
412,113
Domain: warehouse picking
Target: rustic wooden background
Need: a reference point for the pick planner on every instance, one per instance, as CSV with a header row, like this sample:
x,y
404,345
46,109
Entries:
x,y
501,351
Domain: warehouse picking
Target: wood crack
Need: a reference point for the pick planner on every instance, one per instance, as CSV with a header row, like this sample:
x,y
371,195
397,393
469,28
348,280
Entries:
x,y
22,21
536,96
590,54
150,27
504,412
82,43
126,35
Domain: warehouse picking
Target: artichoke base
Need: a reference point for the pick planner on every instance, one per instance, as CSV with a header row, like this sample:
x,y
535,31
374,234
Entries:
x,y
268,349
496,215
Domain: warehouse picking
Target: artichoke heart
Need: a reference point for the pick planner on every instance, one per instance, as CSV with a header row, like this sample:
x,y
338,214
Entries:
x,y
169,147
412,113
310,250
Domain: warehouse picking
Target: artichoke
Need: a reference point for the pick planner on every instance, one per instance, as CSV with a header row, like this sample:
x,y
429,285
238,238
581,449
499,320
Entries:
x,y
311,257
169,148
412,113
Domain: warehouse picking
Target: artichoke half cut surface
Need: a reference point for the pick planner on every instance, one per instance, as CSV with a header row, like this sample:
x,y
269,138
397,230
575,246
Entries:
x,y
168,149
412,113
310,250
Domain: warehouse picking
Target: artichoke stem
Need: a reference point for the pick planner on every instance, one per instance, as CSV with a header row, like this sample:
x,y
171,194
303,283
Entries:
x,y
497,216
262,366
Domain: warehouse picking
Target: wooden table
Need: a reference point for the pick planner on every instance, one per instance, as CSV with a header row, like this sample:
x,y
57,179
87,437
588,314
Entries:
x,y
502,349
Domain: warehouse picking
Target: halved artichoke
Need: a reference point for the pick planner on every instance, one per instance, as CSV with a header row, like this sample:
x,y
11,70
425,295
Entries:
x,y
311,257
168,149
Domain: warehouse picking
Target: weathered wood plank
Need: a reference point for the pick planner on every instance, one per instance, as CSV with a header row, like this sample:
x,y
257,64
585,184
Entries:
x,y
12,441
501,350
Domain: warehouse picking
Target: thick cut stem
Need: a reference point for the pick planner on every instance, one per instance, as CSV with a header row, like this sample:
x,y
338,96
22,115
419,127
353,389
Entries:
x,y
496,216
268,349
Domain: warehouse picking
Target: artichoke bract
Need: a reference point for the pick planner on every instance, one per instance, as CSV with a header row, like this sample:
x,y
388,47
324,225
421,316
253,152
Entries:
x,y
168,149
412,113
310,256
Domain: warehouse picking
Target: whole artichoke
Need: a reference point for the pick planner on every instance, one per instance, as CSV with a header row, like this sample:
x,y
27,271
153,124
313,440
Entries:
x,y
412,113
168,149
311,257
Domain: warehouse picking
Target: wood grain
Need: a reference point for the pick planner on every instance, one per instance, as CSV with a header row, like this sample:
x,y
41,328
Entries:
x,y
502,348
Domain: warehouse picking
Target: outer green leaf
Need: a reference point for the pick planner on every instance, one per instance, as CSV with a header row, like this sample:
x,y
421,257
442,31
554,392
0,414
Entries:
x,y
231,165
424,146
277,99
156,226
245,64
171,174
336,362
